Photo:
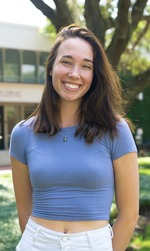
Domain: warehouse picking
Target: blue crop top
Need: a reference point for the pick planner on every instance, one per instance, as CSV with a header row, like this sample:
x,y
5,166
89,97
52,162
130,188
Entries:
x,y
71,180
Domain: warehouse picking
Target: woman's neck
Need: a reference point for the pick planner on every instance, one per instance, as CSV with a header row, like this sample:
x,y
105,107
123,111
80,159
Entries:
x,y
68,115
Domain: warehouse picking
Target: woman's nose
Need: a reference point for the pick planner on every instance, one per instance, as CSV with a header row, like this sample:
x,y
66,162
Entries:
x,y
74,73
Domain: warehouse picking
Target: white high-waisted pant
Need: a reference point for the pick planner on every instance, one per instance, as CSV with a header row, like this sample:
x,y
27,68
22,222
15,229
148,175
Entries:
x,y
38,238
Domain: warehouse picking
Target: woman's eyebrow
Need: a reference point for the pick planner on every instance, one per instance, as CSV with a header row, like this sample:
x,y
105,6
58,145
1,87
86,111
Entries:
x,y
67,56
84,59
88,60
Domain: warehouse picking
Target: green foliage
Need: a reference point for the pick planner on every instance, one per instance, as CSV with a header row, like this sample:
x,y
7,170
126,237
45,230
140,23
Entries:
x,y
144,188
77,10
142,242
108,8
144,163
9,228
135,58
49,30
113,213
133,62
144,171
139,114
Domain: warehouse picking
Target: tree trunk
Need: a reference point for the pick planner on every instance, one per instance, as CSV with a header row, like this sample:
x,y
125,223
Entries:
x,y
136,85
59,17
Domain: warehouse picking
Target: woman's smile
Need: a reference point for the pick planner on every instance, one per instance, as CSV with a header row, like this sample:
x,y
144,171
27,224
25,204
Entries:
x,y
71,86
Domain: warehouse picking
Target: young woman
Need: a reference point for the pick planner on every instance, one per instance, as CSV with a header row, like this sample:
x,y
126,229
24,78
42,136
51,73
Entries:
x,y
75,150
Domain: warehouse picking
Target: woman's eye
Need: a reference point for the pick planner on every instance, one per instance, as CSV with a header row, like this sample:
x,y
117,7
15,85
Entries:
x,y
87,67
66,62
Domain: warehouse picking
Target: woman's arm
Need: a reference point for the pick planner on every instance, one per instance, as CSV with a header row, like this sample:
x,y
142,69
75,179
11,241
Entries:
x,y
127,199
23,191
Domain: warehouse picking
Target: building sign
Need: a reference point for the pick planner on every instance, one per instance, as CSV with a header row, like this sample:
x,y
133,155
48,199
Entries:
x,y
20,93
7,93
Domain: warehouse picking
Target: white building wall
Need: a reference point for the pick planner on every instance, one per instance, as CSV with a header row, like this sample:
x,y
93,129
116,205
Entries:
x,y
25,37
14,93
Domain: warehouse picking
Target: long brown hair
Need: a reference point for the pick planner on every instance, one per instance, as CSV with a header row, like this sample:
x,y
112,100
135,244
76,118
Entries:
x,y
101,106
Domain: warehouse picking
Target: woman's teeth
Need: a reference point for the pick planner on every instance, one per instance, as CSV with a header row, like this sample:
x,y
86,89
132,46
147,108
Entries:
x,y
72,86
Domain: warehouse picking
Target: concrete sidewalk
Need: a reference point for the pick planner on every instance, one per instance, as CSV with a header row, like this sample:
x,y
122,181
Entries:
x,y
4,159
5,167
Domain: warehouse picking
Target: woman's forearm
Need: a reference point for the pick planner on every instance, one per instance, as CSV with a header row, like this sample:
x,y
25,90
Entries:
x,y
23,219
123,230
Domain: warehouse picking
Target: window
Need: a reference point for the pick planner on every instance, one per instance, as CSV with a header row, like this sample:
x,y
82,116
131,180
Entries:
x,y
13,115
11,67
22,66
28,68
41,67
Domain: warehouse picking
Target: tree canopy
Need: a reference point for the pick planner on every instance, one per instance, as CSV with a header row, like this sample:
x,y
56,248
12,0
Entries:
x,y
122,27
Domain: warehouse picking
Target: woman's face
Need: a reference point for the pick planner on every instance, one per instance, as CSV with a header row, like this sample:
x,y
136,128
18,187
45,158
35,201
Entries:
x,y
72,72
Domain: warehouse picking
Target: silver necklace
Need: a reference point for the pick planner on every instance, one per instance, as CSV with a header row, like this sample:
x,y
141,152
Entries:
x,y
66,136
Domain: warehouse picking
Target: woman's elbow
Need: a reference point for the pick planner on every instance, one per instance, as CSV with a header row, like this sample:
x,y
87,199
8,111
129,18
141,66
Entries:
x,y
133,218
130,217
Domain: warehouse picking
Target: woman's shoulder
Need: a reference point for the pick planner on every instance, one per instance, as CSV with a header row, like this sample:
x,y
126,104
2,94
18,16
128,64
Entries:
x,y
123,142
21,136
122,124
24,126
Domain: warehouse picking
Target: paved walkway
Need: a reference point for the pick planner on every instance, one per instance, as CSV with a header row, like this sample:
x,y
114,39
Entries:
x,y
2,168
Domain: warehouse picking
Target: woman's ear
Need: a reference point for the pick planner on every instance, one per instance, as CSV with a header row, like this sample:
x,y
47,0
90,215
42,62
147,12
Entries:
x,y
50,72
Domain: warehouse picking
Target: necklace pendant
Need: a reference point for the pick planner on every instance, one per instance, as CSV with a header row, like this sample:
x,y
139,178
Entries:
x,y
65,139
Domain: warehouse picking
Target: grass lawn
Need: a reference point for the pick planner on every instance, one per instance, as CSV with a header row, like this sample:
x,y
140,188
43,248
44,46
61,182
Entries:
x,y
142,243
9,226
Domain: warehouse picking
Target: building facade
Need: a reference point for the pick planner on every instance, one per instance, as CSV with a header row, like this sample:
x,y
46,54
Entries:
x,y
22,74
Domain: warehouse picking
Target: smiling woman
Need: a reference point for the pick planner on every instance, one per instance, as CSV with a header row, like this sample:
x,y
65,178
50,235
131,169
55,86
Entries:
x,y
73,152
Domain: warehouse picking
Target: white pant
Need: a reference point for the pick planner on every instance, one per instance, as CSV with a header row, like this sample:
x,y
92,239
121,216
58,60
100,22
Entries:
x,y
38,238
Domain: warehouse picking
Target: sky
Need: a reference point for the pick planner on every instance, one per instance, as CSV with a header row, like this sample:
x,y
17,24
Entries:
x,y
22,12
